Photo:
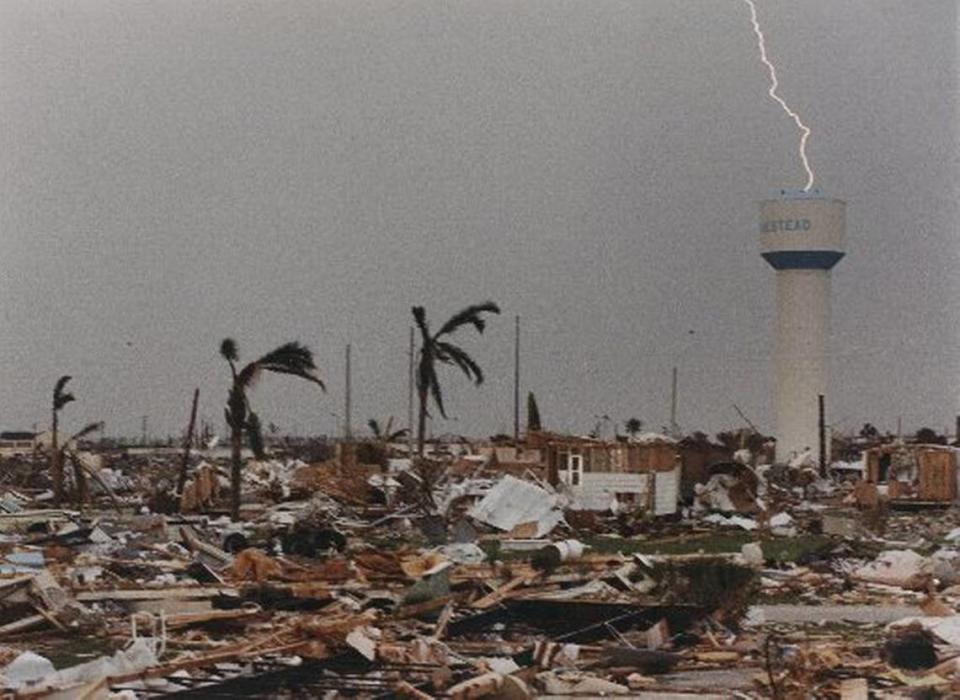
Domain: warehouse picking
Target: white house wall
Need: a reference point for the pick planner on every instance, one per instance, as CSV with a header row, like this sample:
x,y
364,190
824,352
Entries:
x,y
598,489
666,492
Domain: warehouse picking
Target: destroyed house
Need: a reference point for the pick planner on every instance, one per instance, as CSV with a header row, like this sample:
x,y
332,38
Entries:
x,y
516,460
917,473
699,457
602,475
17,443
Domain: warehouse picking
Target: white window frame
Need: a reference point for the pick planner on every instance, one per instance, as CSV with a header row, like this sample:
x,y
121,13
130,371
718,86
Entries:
x,y
574,471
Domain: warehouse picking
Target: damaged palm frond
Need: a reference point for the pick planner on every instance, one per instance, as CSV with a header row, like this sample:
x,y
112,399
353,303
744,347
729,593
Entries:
x,y
385,432
472,315
86,430
61,399
290,358
228,349
451,354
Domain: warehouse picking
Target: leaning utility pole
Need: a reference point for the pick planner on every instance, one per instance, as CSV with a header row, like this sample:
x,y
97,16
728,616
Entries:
x,y
182,479
516,381
410,397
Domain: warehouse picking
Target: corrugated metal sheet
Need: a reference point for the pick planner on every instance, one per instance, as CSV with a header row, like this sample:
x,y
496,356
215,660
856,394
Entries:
x,y
513,501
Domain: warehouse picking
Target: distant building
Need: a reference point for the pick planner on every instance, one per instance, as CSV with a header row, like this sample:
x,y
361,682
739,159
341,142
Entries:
x,y
601,475
16,442
918,473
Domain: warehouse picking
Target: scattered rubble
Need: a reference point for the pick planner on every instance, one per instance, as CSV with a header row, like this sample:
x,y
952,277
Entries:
x,y
473,574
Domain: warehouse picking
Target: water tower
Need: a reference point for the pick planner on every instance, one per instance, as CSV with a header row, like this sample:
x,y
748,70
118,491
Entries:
x,y
801,236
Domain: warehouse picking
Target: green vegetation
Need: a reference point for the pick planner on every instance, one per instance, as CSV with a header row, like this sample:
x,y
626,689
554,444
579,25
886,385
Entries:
x,y
711,584
775,549
78,650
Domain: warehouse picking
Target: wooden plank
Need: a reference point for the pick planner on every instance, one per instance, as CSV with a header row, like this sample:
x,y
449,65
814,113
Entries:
x,y
48,617
177,606
155,593
937,482
444,620
405,690
22,625
854,689
491,599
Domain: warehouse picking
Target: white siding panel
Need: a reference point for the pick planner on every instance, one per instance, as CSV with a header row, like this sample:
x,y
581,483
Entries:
x,y
599,488
667,492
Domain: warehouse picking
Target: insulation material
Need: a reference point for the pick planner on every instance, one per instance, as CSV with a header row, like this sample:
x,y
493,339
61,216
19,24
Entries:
x,y
904,568
666,492
512,502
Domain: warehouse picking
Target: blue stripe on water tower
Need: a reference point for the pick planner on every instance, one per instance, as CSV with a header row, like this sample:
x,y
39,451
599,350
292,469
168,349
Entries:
x,y
803,259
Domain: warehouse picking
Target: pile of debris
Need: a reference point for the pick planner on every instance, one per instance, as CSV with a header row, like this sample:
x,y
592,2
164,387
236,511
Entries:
x,y
445,577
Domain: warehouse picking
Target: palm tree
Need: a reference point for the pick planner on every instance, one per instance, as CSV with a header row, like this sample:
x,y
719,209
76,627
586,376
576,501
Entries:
x,y
290,358
434,349
60,399
386,433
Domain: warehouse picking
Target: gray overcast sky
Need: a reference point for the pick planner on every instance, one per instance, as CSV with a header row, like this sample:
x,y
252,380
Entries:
x,y
176,172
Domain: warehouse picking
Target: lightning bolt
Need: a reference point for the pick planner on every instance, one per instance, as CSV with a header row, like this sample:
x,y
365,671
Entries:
x,y
804,129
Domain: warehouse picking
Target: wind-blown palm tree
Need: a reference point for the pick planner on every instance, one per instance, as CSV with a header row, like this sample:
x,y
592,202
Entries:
x,y
60,399
435,349
385,433
290,358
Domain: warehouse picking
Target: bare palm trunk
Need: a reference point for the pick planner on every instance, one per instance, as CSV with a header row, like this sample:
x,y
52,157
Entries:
x,y
81,480
236,444
56,468
421,421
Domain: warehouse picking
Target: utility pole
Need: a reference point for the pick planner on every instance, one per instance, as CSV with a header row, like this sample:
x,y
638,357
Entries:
x,y
516,381
336,425
673,405
823,436
187,443
410,396
346,408
143,430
